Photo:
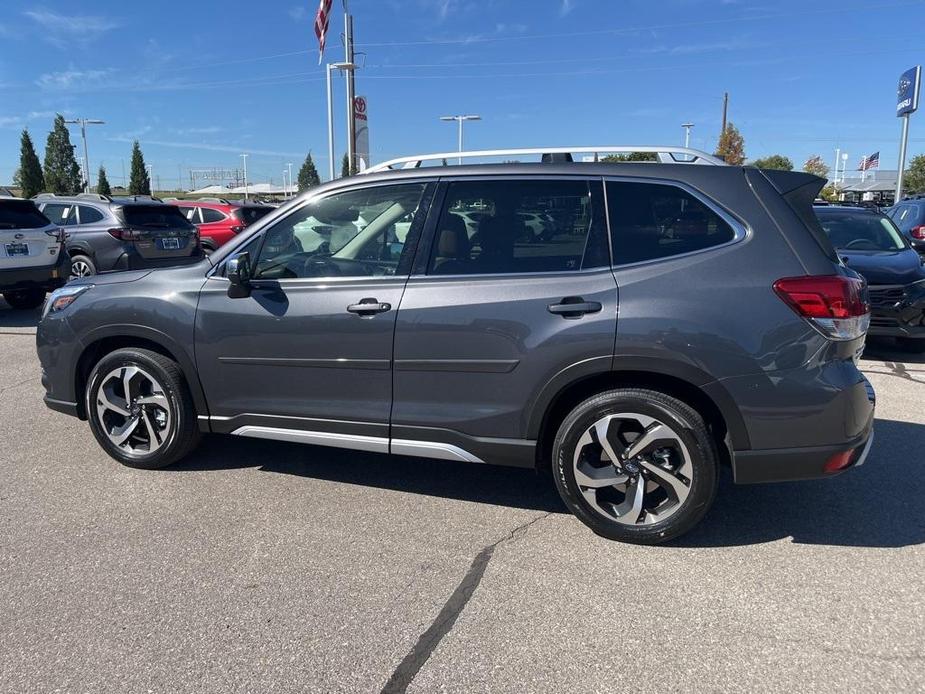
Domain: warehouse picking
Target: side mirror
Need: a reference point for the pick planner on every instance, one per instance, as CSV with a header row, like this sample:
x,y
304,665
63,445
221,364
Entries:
x,y
238,272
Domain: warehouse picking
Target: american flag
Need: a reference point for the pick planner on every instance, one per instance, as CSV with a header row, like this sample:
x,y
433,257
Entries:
x,y
321,25
871,162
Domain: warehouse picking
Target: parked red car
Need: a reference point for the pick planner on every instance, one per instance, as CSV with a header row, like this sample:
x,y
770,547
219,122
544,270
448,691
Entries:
x,y
219,220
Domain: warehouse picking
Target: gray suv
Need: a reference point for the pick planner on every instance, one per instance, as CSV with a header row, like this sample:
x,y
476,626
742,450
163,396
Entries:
x,y
671,319
121,233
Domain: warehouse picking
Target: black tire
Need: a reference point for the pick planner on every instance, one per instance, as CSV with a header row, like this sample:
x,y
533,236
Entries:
x,y
682,420
184,434
25,299
80,260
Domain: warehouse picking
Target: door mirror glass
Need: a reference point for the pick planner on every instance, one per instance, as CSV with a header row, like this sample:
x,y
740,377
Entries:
x,y
238,269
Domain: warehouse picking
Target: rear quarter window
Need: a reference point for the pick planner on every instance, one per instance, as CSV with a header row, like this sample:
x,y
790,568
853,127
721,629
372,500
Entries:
x,y
249,215
210,215
21,215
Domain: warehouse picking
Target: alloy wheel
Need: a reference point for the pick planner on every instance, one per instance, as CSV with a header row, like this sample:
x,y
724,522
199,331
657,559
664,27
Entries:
x,y
80,268
133,410
632,469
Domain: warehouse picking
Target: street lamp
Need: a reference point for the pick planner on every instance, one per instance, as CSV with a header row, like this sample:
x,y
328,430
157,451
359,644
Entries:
x,y
459,120
347,67
244,157
289,166
687,133
83,123
150,168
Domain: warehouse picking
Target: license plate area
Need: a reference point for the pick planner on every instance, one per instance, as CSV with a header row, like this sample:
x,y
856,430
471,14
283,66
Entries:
x,y
17,249
169,244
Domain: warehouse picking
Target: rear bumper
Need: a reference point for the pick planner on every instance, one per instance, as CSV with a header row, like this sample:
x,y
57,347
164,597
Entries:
x,y
805,463
133,261
46,277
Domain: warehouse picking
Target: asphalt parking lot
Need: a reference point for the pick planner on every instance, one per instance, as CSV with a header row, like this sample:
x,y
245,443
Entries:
x,y
270,567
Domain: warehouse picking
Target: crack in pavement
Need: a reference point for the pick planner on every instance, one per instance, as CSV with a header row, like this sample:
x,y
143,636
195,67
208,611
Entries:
x,y
16,385
427,642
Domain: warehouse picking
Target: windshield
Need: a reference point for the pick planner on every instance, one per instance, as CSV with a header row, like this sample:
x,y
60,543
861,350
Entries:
x,y
860,231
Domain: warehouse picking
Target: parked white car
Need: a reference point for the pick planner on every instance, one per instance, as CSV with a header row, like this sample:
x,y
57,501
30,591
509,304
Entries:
x,y
33,259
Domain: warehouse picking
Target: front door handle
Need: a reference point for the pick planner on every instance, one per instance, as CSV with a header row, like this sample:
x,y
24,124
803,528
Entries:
x,y
369,307
574,307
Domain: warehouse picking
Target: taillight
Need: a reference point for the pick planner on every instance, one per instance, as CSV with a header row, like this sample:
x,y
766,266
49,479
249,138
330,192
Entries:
x,y
123,234
58,233
838,461
837,306
918,233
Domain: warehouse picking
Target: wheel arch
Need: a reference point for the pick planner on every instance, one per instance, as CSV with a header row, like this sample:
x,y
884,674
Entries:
x,y
105,340
706,396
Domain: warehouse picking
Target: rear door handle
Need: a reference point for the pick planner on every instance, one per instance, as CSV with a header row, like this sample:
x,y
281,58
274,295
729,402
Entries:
x,y
574,307
369,307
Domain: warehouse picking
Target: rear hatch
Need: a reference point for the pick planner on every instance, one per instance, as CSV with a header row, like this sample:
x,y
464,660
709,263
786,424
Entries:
x,y
27,238
159,232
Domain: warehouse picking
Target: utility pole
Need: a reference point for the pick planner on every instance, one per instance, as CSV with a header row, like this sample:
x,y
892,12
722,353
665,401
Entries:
x,y
289,166
244,157
351,89
83,123
687,133
725,110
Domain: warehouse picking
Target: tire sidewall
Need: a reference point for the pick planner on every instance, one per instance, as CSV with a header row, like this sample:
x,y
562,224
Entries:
x,y
163,455
699,446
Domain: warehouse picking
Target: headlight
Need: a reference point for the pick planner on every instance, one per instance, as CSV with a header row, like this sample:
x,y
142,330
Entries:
x,y
60,299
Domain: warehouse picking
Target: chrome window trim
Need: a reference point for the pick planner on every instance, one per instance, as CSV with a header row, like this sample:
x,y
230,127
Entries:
x,y
741,231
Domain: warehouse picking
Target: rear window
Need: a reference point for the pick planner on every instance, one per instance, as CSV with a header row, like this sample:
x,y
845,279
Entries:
x,y
21,214
156,216
249,215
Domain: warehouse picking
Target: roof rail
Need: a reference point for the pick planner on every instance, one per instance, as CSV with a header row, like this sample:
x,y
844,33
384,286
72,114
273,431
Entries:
x,y
95,196
665,155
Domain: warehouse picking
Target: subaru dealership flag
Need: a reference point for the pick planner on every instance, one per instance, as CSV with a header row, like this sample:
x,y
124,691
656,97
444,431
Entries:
x,y
871,162
321,25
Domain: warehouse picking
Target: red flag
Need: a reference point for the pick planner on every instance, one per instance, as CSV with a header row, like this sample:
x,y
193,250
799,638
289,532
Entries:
x,y
321,25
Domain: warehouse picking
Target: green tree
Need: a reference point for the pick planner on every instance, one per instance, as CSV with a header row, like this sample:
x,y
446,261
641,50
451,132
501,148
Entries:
x,y
138,183
774,161
914,178
731,146
102,183
62,175
345,168
31,180
629,156
816,166
308,174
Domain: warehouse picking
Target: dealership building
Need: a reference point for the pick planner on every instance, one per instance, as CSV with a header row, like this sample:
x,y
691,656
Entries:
x,y
877,185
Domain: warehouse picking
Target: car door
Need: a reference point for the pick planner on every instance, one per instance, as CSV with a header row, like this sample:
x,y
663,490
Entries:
x,y
307,355
495,314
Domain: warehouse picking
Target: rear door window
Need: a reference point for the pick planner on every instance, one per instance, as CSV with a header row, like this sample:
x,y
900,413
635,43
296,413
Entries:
x,y
518,226
906,217
60,214
21,215
649,221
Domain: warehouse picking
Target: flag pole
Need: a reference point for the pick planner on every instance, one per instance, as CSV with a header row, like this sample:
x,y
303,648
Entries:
x,y
348,59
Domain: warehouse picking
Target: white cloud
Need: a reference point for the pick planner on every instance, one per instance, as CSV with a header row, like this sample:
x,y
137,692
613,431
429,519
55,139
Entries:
x,y
21,121
209,130
298,13
72,79
210,148
66,30
566,7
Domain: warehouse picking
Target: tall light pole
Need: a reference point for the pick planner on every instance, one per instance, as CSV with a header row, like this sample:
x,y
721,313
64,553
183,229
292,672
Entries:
x,y
459,120
289,166
244,157
348,67
687,133
150,168
83,123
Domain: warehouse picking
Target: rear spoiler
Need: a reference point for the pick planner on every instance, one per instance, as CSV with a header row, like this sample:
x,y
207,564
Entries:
x,y
800,189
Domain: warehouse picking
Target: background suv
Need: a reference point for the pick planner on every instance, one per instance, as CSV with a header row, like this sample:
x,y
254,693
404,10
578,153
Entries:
x,y
105,234
32,256
219,221
909,216
676,318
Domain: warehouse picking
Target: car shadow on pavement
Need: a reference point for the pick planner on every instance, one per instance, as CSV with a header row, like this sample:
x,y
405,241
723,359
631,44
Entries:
x,y
11,318
885,349
486,484
880,504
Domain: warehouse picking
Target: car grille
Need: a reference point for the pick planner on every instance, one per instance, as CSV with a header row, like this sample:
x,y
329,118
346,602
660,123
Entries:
x,y
886,296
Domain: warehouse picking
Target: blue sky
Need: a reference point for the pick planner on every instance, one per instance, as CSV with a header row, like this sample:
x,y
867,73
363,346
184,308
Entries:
x,y
199,82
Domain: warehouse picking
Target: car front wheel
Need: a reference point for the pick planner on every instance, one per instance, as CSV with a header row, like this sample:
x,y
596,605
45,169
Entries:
x,y
635,465
140,409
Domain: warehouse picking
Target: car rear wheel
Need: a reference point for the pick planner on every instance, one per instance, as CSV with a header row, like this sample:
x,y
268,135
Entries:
x,y
25,299
140,409
82,266
635,465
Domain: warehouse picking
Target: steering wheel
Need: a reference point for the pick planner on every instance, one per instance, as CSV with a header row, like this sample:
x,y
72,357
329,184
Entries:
x,y
861,243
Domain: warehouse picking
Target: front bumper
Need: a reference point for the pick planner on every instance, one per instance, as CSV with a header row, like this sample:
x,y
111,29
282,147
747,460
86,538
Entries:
x,y
46,277
897,310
